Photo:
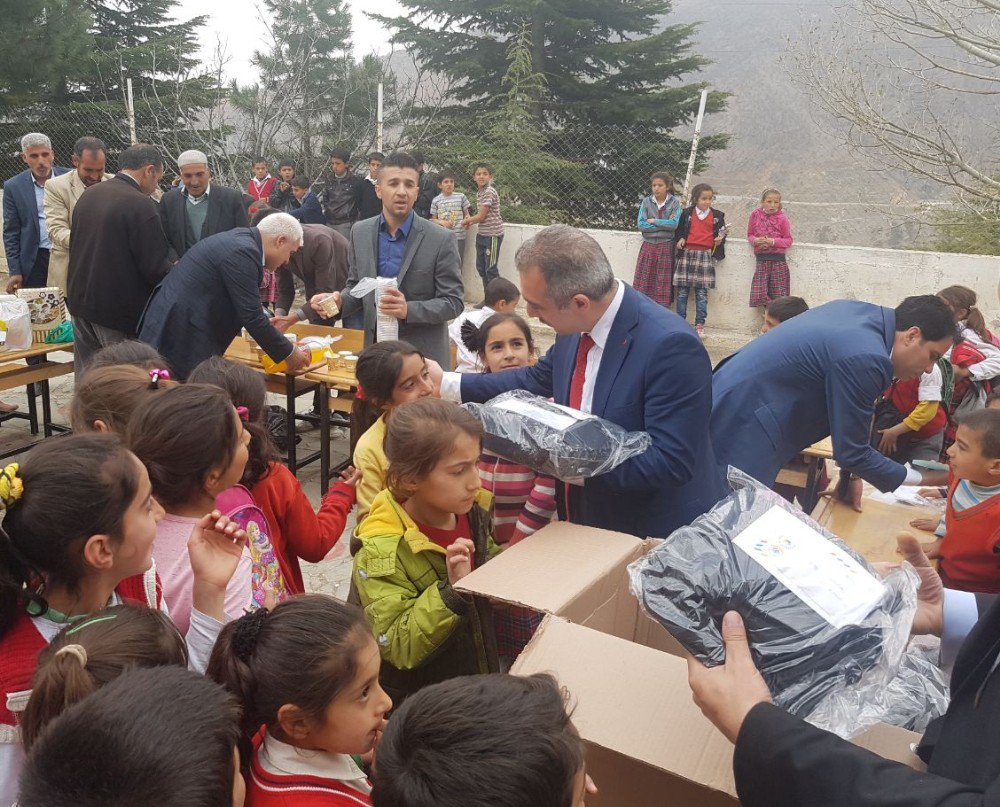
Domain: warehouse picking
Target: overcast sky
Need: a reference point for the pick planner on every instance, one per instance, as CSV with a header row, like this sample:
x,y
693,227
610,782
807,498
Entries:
x,y
237,23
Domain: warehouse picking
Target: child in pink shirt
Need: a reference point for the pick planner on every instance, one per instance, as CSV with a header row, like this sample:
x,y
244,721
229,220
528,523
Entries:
x,y
770,235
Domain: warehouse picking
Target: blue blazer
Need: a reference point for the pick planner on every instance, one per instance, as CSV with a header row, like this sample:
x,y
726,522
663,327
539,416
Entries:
x,y
815,375
309,210
655,376
211,293
20,221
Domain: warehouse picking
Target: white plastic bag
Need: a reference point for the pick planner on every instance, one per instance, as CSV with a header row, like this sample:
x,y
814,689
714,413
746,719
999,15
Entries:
x,y
15,323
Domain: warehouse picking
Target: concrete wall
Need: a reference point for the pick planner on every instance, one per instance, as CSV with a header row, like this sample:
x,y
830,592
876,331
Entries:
x,y
820,273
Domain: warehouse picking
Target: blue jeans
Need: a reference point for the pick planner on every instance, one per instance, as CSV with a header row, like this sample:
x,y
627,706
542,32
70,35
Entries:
x,y
700,304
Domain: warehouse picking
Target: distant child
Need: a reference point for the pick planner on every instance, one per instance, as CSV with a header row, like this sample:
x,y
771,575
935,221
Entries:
x,y
281,197
506,735
523,500
972,328
307,677
659,215
194,445
340,195
92,652
489,236
77,537
297,531
449,209
770,235
700,237
369,204
309,210
162,736
782,309
389,374
129,351
261,184
969,532
106,397
426,532
502,296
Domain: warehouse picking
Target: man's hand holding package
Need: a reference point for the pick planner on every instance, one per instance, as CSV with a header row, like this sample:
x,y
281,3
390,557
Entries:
x,y
297,361
726,694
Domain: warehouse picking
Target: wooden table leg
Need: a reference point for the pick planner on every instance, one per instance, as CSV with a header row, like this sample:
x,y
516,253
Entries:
x,y
809,497
324,439
292,461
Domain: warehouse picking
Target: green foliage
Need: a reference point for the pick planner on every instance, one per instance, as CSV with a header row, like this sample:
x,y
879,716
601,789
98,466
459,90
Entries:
x,y
960,229
613,87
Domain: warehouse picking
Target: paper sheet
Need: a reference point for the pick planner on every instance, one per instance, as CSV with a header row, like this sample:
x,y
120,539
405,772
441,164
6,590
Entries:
x,y
386,327
364,287
818,572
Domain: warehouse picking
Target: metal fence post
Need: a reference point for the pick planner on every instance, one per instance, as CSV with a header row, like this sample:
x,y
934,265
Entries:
x,y
130,108
694,143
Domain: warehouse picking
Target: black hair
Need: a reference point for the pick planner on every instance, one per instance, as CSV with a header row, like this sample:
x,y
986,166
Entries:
x,y
375,155
487,166
500,288
139,156
258,160
286,163
477,338
698,190
162,735
303,652
300,181
665,177
929,313
400,159
418,156
89,144
986,424
341,154
445,175
181,436
378,370
73,488
452,743
129,351
993,396
114,640
783,309
245,387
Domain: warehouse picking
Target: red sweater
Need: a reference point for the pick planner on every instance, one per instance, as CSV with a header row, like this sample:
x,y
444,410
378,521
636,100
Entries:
x,y
299,532
701,235
264,191
969,560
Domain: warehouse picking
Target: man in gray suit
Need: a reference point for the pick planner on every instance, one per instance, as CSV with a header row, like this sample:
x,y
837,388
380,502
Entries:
x,y
421,256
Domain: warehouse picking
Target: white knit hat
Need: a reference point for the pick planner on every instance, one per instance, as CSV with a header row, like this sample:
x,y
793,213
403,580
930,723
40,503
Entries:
x,y
192,157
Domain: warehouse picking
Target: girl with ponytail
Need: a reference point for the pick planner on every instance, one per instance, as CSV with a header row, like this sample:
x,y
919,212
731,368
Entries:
x,y
972,328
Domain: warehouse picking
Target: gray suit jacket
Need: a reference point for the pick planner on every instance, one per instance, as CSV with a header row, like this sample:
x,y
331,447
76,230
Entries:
x,y
430,279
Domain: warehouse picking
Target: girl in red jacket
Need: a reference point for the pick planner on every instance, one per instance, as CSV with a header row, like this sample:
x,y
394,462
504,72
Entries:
x,y
297,531
306,675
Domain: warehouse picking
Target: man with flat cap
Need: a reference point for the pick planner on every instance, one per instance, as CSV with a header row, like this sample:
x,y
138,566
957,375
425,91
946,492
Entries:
x,y
197,207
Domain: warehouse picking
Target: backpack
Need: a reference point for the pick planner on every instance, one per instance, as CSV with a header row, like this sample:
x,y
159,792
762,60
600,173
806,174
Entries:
x,y
267,583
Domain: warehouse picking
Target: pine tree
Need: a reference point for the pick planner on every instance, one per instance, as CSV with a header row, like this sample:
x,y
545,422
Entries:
x,y
613,74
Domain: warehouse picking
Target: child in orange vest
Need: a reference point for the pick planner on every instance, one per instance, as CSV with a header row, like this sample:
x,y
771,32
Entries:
x,y
969,533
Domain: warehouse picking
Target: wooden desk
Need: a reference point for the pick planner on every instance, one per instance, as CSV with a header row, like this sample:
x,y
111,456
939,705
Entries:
x,y
872,532
802,472
14,374
343,383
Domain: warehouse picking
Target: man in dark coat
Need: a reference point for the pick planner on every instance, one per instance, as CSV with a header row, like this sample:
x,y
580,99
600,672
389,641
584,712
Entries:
x,y
119,254
197,208
214,290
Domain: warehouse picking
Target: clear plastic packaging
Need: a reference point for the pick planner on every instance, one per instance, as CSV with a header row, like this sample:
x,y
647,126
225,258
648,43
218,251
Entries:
x,y
553,439
827,634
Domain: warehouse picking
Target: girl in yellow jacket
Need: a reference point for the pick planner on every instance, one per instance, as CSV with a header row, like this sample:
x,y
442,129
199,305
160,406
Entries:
x,y
428,530
389,374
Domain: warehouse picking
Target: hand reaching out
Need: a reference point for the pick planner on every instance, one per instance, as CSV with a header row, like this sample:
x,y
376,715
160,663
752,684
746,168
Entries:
x,y
459,559
350,476
215,548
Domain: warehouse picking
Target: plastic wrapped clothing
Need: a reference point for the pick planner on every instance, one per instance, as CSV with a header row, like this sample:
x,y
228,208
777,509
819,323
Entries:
x,y
553,439
15,323
825,631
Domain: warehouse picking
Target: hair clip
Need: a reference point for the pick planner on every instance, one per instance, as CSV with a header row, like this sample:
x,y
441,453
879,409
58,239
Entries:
x,y
11,486
244,413
77,651
360,394
156,375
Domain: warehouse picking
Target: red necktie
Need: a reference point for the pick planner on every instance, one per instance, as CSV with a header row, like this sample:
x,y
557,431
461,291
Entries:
x,y
576,394
580,372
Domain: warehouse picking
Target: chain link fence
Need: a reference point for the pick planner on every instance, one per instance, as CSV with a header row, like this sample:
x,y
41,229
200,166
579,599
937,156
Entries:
x,y
587,176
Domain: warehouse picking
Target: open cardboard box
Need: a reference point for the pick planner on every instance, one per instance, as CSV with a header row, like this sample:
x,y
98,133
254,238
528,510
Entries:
x,y
647,743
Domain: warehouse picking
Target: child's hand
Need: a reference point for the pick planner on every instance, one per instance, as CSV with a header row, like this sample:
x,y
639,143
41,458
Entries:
x,y
680,243
650,221
933,549
215,548
928,524
459,559
930,493
350,476
719,239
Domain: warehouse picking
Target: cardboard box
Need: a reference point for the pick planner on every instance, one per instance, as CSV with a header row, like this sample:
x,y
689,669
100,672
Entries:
x,y
647,743
872,532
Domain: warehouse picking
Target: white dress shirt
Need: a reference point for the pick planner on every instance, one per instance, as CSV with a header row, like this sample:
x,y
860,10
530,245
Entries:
x,y
451,383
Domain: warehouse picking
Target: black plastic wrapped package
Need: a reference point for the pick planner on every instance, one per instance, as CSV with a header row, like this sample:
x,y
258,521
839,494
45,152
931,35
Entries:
x,y
823,627
553,439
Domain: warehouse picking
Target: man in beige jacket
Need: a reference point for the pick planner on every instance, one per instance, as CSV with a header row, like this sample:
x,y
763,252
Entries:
x,y
61,197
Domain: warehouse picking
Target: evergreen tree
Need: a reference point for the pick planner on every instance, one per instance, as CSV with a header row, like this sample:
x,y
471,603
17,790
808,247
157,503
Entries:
x,y
614,83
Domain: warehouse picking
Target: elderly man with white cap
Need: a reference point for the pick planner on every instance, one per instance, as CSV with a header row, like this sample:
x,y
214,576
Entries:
x,y
197,208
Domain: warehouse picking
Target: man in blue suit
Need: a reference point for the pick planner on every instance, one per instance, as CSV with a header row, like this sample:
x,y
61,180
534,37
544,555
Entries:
x,y
621,357
25,238
820,374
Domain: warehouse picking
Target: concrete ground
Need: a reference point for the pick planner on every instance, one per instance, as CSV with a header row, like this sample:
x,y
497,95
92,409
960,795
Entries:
x,y
332,574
